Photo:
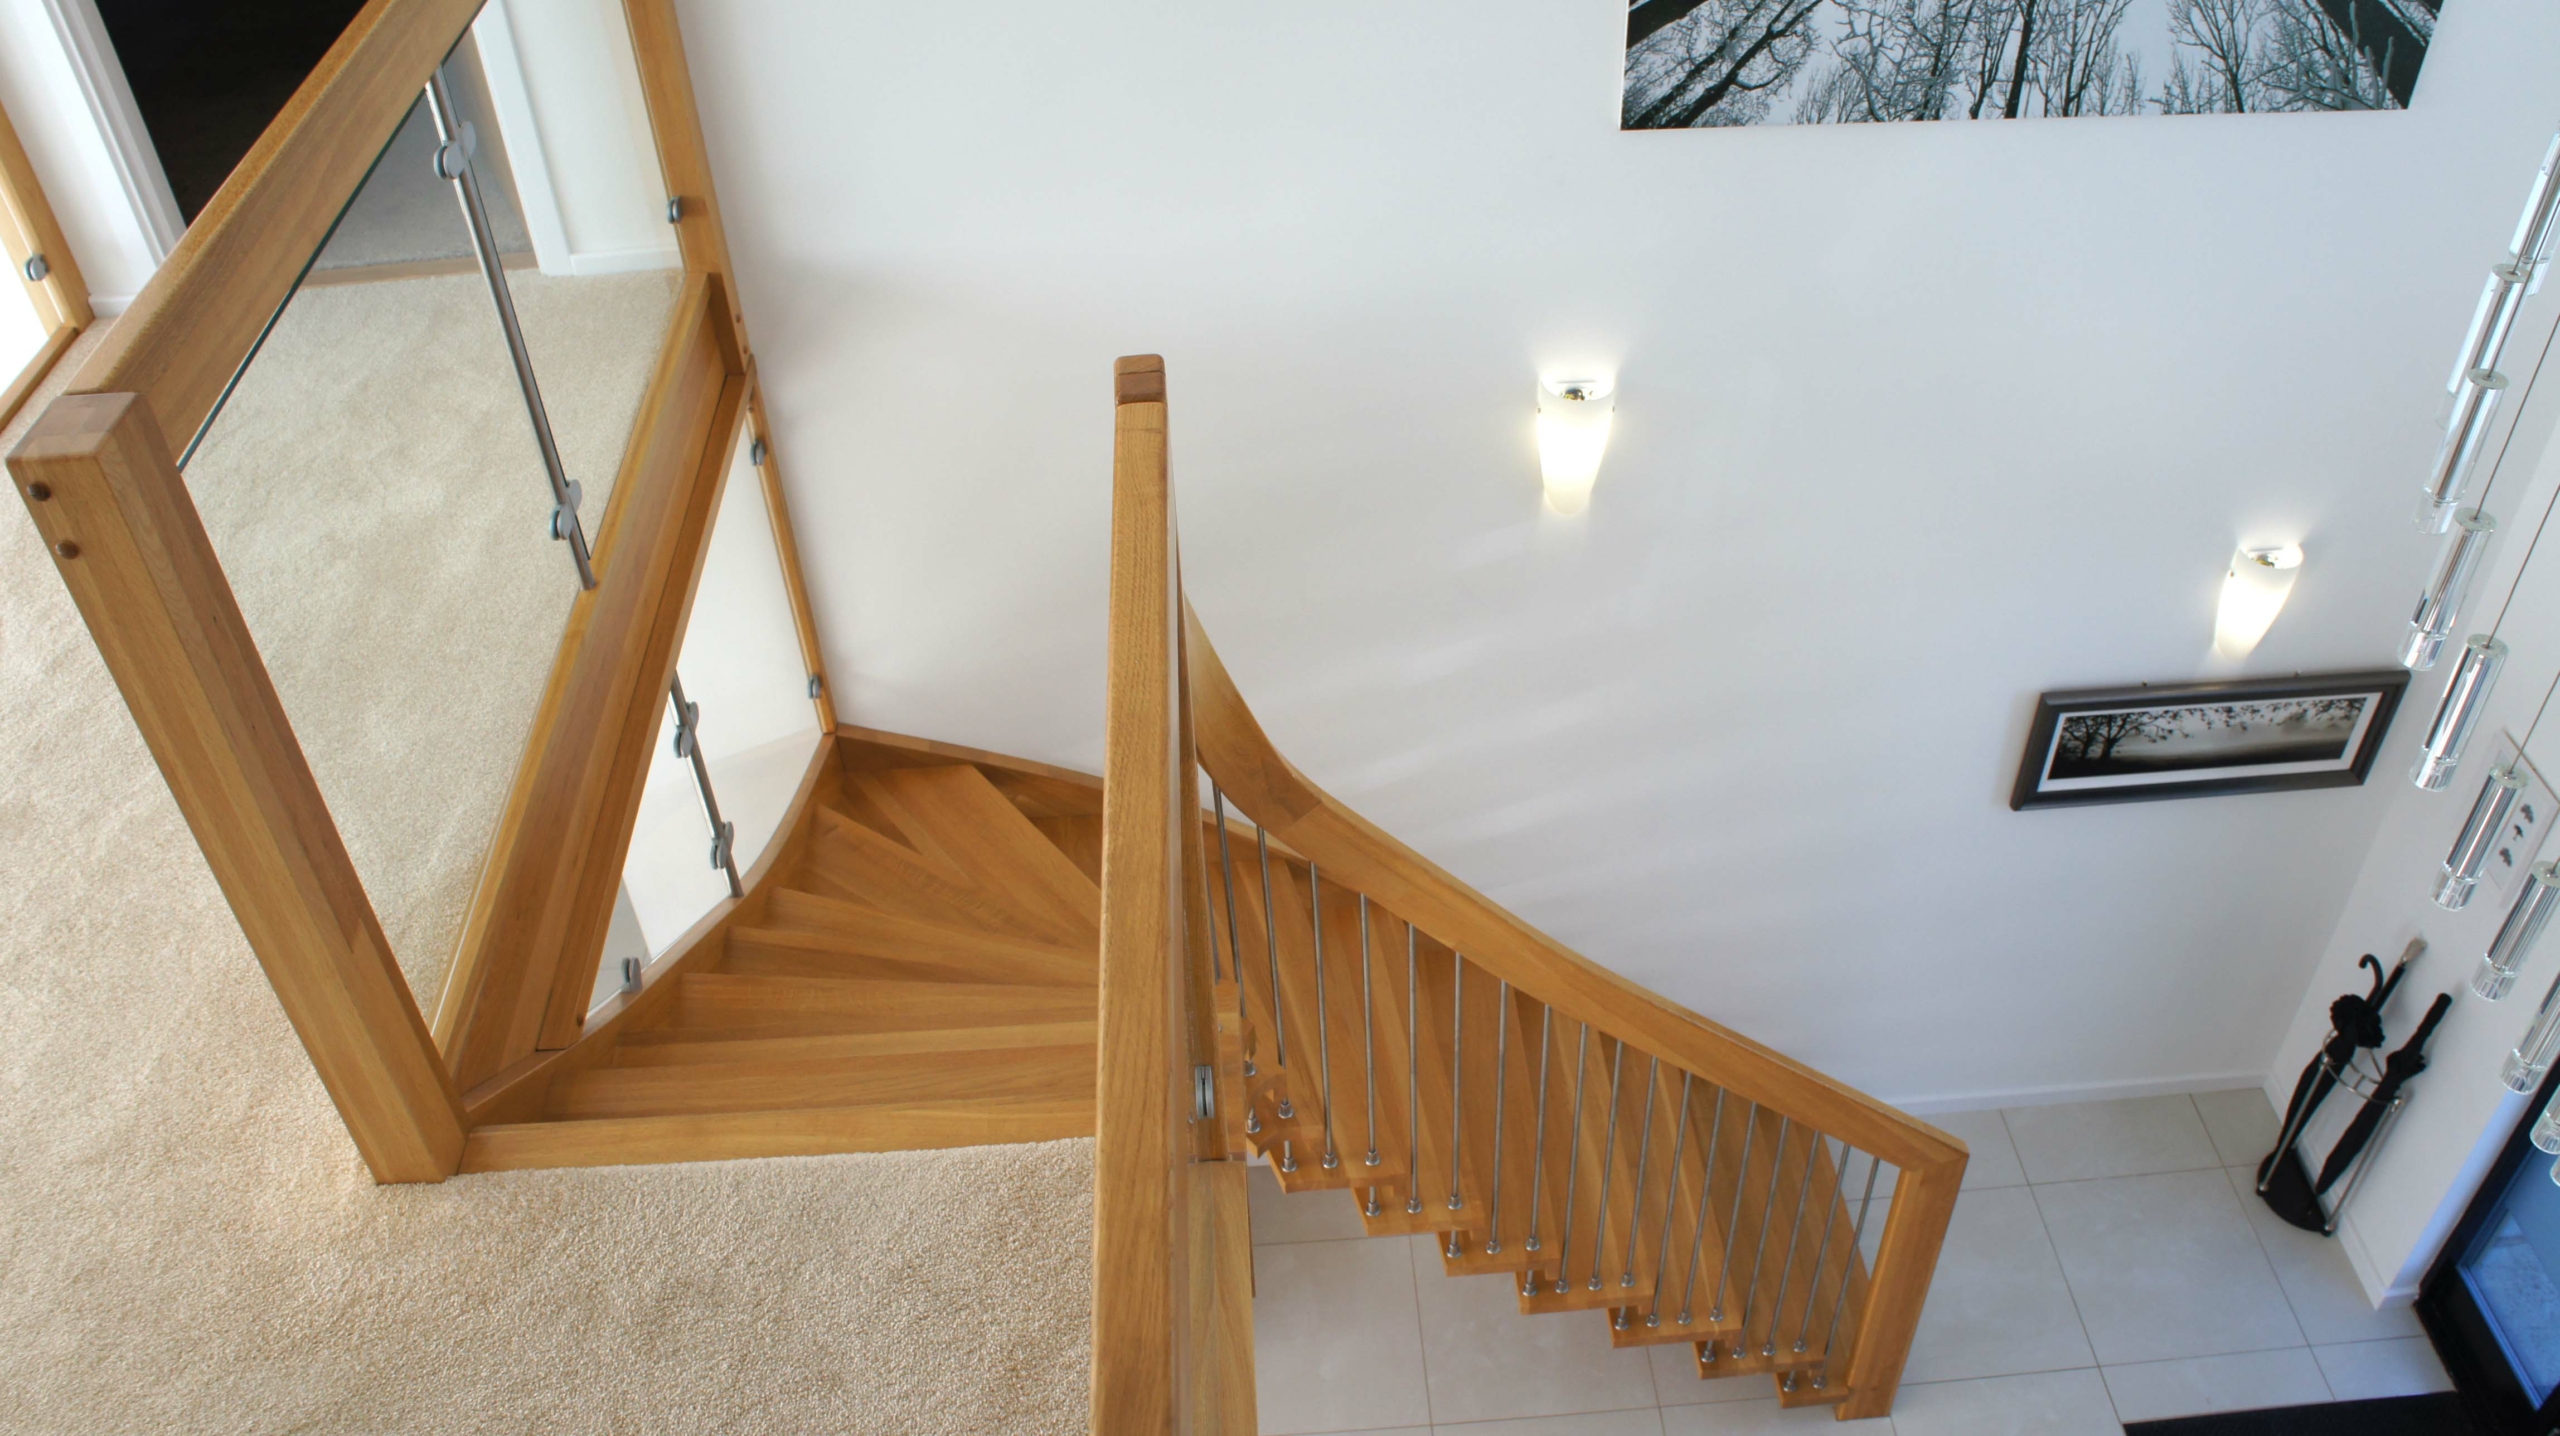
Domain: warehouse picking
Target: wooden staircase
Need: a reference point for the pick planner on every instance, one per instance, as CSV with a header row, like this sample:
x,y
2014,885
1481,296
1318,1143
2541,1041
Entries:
x,y
1285,980
917,970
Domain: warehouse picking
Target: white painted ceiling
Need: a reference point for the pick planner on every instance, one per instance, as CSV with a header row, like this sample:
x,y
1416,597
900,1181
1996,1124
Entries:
x,y
1914,422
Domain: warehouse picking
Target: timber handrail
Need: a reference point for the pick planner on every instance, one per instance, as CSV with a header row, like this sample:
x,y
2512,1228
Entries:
x,y
1235,750
1669,1124
99,471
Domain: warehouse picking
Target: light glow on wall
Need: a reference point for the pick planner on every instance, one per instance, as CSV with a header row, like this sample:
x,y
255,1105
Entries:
x,y
2253,593
1573,432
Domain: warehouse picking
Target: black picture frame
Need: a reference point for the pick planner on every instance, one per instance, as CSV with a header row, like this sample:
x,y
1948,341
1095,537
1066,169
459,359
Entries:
x,y
2038,785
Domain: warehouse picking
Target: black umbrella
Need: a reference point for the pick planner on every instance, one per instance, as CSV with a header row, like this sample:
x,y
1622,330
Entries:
x,y
2397,1069
2354,1021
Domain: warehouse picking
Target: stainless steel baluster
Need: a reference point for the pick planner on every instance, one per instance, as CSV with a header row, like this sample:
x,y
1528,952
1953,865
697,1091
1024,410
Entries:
x,y
1706,1194
453,161
1822,1252
1413,1076
1271,945
1760,1250
1538,1148
1670,1190
1324,1023
1501,1054
1369,1042
1733,1225
1795,1231
1608,1160
1857,1244
724,834
1572,1163
1644,1160
1288,1158
1235,950
1457,1071
1209,915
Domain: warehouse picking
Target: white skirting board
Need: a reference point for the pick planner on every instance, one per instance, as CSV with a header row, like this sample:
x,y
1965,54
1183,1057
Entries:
x,y
2077,1092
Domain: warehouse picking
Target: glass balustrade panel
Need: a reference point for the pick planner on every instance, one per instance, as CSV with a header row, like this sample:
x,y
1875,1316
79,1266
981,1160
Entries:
x,y
742,663
668,879
375,487
554,93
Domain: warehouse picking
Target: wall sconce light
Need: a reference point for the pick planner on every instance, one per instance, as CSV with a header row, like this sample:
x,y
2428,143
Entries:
x,y
1573,431
2253,592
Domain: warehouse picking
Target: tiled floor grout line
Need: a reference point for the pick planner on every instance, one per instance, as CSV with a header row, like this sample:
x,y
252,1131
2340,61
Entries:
x,y
1420,1334
2291,1309
2054,1247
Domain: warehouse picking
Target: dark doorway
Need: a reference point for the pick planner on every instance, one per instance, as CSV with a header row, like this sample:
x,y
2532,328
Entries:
x,y
209,77
2492,1302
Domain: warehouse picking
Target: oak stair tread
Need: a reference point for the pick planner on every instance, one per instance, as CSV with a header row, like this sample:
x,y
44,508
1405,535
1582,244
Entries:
x,y
767,1083
922,972
810,1132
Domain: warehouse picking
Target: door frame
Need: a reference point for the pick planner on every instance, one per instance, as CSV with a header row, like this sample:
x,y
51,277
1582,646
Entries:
x,y
2454,1324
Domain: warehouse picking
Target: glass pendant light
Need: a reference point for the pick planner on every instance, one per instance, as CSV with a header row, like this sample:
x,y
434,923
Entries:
x,y
2531,245
2546,1129
2491,322
2499,794
2532,1057
2465,435
2516,936
2440,602
2493,319
2464,698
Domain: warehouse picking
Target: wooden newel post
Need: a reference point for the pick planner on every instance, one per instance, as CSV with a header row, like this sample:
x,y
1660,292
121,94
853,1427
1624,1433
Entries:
x,y
97,476
1172,1304
1139,1184
1924,1201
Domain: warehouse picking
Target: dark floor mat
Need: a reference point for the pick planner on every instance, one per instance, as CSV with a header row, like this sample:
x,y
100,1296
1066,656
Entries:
x,y
2440,1414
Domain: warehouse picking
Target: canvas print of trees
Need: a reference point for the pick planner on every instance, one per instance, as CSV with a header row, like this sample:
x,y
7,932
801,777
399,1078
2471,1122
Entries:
x,y
2135,741
1701,63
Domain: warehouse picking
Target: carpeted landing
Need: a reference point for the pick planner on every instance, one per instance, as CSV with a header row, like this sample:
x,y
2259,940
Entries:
x,y
189,1244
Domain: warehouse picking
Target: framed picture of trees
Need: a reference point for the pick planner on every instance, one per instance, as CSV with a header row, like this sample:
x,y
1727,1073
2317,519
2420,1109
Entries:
x,y
1695,64
2187,740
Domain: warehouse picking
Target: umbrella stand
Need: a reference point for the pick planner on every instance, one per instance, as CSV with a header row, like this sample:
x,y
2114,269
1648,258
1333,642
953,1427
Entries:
x,y
2287,1186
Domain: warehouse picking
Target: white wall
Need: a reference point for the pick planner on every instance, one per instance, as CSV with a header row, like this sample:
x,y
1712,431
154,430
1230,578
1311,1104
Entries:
x,y
103,219
567,93
1915,421
2460,1114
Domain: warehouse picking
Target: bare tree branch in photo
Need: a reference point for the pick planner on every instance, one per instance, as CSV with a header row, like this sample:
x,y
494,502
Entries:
x,y
2026,47
2392,36
2223,36
1648,18
2094,737
2076,55
1896,60
2313,65
1988,54
2126,95
1719,65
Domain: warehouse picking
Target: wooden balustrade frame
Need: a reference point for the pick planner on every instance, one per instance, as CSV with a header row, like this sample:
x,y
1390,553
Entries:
x,y
1172,1327
1352,851
538,918
105,492
61,297
148,586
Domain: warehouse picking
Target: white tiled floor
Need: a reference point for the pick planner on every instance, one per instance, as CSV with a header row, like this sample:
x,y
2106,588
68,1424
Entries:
x,y
2107,1263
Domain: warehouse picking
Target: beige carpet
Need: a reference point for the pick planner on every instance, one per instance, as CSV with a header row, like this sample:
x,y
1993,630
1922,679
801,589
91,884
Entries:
x,y
189,1244
377,499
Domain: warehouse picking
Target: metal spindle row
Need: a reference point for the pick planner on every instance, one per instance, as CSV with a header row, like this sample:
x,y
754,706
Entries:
x,y
1578,1228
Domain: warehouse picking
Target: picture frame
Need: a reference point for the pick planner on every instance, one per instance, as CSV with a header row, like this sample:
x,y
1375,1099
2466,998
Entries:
x,y
2192,740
